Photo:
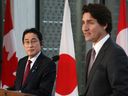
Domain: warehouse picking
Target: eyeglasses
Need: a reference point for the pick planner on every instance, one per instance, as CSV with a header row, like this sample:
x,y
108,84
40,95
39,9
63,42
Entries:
x,y
33,42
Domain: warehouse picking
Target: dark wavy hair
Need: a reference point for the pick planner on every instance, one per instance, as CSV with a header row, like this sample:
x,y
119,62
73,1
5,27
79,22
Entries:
x,y
101,13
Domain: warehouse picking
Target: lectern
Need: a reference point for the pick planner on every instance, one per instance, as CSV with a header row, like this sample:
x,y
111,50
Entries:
x,y
12,93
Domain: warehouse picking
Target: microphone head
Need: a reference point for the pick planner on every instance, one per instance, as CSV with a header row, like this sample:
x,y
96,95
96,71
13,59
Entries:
x,y
55,58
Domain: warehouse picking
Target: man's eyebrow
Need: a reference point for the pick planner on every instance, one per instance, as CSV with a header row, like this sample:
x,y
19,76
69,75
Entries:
x,y
89,20
25,39
31,39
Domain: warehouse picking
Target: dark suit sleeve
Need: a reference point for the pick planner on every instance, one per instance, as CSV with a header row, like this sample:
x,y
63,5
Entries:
x,y
117,69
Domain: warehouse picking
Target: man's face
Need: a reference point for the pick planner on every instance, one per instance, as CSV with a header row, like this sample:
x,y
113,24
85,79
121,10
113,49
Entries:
x,y
92,30
31,44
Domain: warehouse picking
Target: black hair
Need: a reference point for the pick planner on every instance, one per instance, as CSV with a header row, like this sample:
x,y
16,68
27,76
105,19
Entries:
x,y
35,31
101,13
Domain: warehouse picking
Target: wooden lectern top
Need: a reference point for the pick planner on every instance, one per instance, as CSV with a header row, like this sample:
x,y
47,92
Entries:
x,y
4,92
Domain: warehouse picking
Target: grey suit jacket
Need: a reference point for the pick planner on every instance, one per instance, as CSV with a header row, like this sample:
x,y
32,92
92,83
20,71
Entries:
x,y
40,79
109,74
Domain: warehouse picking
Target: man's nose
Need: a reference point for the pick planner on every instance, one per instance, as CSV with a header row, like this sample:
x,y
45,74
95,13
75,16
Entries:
x,y
30,44
85,27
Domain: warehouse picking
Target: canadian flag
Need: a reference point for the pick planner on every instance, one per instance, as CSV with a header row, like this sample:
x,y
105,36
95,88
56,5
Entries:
x,y
9,59
122,35
66,81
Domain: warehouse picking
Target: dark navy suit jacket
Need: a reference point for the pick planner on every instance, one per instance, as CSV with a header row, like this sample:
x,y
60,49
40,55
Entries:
x,y
41,78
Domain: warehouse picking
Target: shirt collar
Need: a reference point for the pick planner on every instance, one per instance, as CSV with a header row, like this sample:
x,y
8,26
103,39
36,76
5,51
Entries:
x,y
34,59
99,44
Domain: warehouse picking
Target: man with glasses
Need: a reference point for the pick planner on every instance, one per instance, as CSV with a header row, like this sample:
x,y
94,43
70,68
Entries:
x,y
36,72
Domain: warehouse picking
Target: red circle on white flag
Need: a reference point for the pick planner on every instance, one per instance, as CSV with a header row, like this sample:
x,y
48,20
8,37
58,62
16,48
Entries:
x,y
66,75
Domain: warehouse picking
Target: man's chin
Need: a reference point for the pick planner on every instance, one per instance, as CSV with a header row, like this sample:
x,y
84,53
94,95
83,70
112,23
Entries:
x,y
87,39
31,55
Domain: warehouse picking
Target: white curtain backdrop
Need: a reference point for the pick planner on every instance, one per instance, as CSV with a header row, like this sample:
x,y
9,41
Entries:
x,y
23,17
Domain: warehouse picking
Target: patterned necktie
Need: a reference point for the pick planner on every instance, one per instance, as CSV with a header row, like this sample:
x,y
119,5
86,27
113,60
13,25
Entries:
x,y
92,59
26,72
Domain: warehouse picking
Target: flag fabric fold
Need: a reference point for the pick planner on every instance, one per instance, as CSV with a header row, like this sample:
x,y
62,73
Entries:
x,y
122,35
9,59
66,80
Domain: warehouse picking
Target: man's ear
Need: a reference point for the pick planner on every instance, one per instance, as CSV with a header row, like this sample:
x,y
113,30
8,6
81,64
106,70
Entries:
x,y
41,43
105,26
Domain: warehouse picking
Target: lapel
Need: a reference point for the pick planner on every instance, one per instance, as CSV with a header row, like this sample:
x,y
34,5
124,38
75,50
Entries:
x,y
23,64
34,69
20,75
87,64
97,61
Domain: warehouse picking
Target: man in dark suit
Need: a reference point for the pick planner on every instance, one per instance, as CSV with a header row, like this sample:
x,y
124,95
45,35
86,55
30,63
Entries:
x,y
107,65
41,76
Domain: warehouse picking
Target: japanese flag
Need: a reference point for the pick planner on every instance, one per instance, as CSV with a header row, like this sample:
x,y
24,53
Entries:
x,y
66,82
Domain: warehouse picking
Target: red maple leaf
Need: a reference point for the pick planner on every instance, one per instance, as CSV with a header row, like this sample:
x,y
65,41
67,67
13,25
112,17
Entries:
x,y
8,68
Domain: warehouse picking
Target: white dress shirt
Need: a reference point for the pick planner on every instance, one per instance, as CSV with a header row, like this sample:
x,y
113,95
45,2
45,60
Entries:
x,y
99,44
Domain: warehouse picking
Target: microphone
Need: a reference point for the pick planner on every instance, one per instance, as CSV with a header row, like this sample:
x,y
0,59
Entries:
x,y
55,58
